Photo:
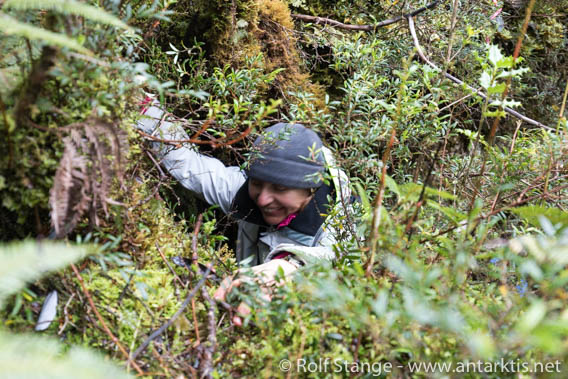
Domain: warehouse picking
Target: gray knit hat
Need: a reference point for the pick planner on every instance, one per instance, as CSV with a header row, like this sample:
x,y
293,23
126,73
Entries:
x,y
289,155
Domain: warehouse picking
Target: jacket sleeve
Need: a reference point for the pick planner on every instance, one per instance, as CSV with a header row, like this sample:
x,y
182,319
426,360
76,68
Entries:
x,y
206,176
307,255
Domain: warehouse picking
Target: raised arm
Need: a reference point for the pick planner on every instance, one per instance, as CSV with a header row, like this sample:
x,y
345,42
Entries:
x,y
206,176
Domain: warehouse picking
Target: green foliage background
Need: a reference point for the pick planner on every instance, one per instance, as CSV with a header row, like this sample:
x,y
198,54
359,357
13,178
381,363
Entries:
x,y
468,247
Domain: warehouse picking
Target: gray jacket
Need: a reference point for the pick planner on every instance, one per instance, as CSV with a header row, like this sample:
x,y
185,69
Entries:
x,y
218,184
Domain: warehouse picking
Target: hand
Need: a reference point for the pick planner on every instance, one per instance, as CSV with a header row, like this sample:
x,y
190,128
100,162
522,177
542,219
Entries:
x,y
264,275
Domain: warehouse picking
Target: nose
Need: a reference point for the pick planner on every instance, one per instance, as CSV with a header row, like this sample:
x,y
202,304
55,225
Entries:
x,y
264,197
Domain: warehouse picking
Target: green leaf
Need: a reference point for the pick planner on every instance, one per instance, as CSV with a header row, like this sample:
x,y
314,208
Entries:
x,y
482,344
532,317
29,356
531,268
11,26
496,113
450,212
387,106
513,73
26,261
391,184
68,7
531,213
335,336
498,88
505,103
485,79
494,55
363,195
505,62
379,305
412,191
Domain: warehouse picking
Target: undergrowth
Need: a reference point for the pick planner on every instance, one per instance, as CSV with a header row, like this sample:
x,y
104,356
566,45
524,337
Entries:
x,y
464,259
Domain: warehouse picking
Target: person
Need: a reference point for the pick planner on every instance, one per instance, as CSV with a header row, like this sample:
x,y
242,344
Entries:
x,y
282,202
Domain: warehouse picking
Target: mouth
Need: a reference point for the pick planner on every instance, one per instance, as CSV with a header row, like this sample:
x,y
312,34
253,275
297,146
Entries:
x,y
270,210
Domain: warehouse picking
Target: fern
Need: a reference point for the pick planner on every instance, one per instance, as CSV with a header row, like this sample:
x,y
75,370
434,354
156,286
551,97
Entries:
x,y
28,356
68,7
11,26
93,156
26,261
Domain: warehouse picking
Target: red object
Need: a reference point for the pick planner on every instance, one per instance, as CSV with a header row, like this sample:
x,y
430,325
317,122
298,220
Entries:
x,y
496,14
147,100
282,255
287,221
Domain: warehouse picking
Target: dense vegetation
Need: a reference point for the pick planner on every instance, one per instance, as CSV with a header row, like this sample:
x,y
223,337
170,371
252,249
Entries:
x,y
460,248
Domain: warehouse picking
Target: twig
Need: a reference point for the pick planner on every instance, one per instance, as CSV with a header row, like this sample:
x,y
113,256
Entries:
x,y
378,202
195,324
194,256
174,317
168,264
498,194
455,102
206,366
421,201
366,28
103,324
492,213
176,142
124,289
162,175
146,199
98,62
512,112
65,315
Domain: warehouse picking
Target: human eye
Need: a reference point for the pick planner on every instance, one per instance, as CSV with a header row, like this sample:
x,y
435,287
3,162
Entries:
x,y
279,188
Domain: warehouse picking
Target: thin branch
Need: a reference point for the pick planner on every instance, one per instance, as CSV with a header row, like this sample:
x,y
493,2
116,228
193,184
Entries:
x,y
168,264
502,209
206,363
421,200
365,28
378,204
174,317
103,324
195,256
512,112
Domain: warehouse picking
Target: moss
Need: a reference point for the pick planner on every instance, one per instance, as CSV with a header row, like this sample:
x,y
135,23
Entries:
x,y
235,31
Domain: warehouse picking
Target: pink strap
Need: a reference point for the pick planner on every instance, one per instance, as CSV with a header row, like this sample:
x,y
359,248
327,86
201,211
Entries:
x,y
281,255
287,220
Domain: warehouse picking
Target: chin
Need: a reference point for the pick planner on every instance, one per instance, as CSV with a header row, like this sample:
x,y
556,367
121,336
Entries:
x,y
273,220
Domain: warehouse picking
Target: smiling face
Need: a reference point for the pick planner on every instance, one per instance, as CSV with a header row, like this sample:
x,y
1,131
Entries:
x,y
277,202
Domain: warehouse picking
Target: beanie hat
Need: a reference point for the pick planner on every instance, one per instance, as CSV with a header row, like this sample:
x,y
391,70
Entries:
x,y
289,155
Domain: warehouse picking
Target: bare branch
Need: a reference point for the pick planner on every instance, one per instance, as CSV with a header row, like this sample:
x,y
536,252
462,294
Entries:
x,y
512,112
174,317
366,28
206,363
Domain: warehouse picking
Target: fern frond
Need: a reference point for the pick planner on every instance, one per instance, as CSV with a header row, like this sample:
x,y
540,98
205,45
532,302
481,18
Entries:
x,y
68,7
92,159
69,197
11,26
26,261
29,356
